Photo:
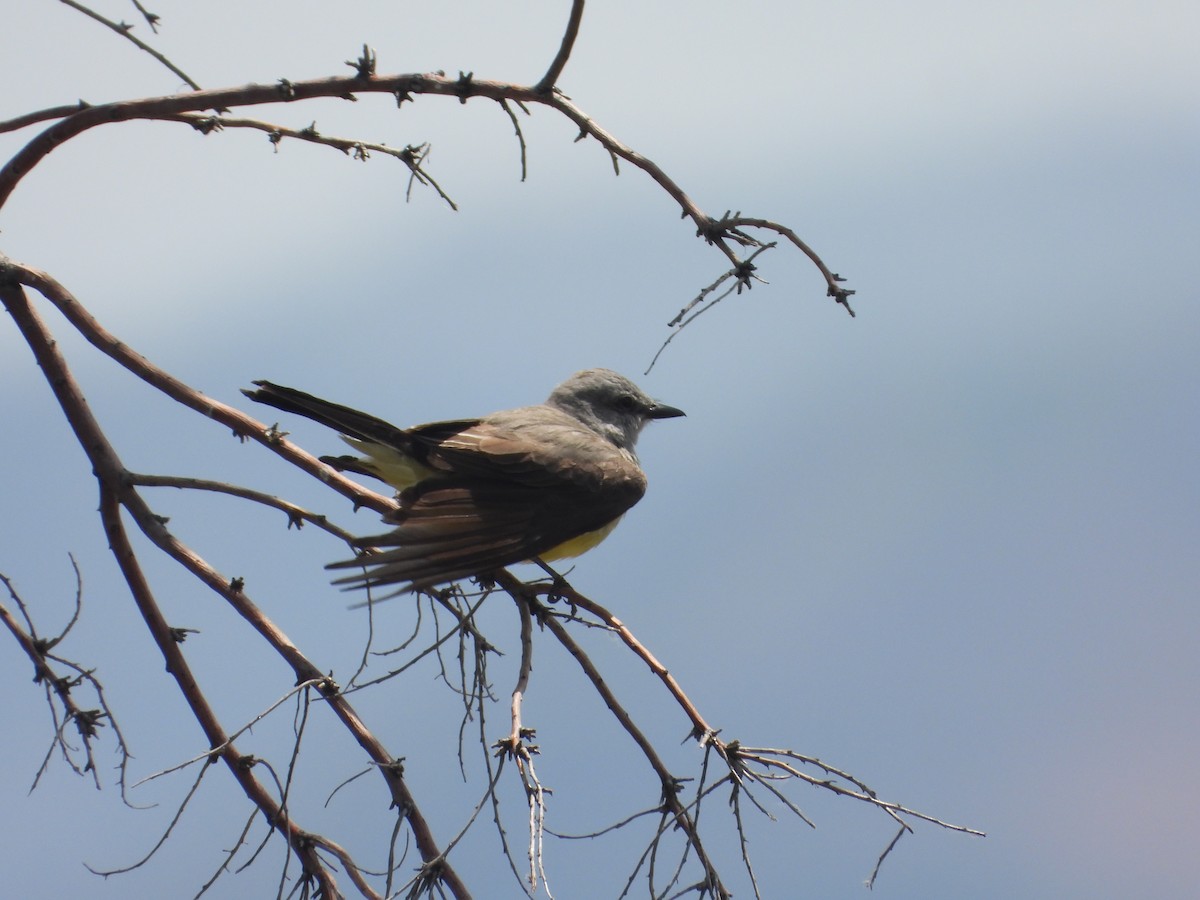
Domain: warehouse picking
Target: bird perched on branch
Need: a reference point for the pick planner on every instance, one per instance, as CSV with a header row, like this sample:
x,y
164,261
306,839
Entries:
x,y
548,481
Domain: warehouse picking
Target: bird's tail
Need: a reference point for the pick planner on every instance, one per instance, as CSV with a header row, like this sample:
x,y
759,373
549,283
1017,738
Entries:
x,y
348,421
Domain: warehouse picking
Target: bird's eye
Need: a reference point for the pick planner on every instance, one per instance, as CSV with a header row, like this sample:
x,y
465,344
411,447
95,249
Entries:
x,y
627,403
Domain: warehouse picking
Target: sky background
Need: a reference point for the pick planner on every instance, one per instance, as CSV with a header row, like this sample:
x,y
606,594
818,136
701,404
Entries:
x,y
950,545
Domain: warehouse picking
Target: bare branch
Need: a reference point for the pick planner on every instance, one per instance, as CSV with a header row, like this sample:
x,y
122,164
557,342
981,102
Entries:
x,y
241,424
207,755
412,156
701,730
117,493
670,784
520,134
64,688
832,279
519,732
722,233
742,275
882,856
125,30
152,19
296,515
41,115
229,855
550,79
162,838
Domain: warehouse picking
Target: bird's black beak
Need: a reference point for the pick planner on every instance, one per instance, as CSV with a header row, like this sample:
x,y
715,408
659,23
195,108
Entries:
x,y
662,411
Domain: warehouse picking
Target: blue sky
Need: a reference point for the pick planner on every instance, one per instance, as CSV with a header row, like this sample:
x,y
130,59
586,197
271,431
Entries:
x,y
949,545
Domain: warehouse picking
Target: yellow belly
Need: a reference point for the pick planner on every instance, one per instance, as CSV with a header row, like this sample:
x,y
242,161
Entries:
x,y
580,544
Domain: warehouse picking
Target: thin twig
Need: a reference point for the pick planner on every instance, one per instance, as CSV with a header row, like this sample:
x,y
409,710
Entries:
x,y
741,275
296,515
41,115
229,855
162,839
882,856
207,755
152,19
520,134
125,31
412,155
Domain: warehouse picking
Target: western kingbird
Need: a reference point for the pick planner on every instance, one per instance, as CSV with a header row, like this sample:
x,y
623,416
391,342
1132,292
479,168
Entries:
x,y
547,481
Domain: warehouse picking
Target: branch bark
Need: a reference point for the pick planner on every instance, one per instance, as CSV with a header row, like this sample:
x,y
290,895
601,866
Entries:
x,y
117,492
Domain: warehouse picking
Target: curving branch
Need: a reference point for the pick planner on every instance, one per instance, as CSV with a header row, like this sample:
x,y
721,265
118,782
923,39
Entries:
x,y
723,233
41,115
550,79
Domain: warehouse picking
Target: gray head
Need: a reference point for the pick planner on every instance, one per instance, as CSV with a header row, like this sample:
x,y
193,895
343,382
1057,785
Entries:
x,y
609,404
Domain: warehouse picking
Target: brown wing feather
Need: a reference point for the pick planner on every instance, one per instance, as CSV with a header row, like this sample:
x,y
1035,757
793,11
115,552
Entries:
x,y
453,528
535,445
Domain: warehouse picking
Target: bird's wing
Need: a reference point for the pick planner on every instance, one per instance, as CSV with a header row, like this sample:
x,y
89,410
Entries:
x,y
508,494
448,529
534,445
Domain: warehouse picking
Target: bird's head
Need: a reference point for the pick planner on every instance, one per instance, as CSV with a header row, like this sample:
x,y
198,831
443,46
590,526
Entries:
x,y
609,404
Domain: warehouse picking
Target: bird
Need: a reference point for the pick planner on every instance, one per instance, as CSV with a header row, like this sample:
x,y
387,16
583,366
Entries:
x,y
545,482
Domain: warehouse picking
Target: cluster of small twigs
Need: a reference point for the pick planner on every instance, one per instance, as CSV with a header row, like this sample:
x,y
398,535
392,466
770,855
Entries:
x,y
61,690
747,769
745,772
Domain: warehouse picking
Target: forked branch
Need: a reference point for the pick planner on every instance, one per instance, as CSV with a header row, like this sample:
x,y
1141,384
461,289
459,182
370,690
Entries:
x,y
723,233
